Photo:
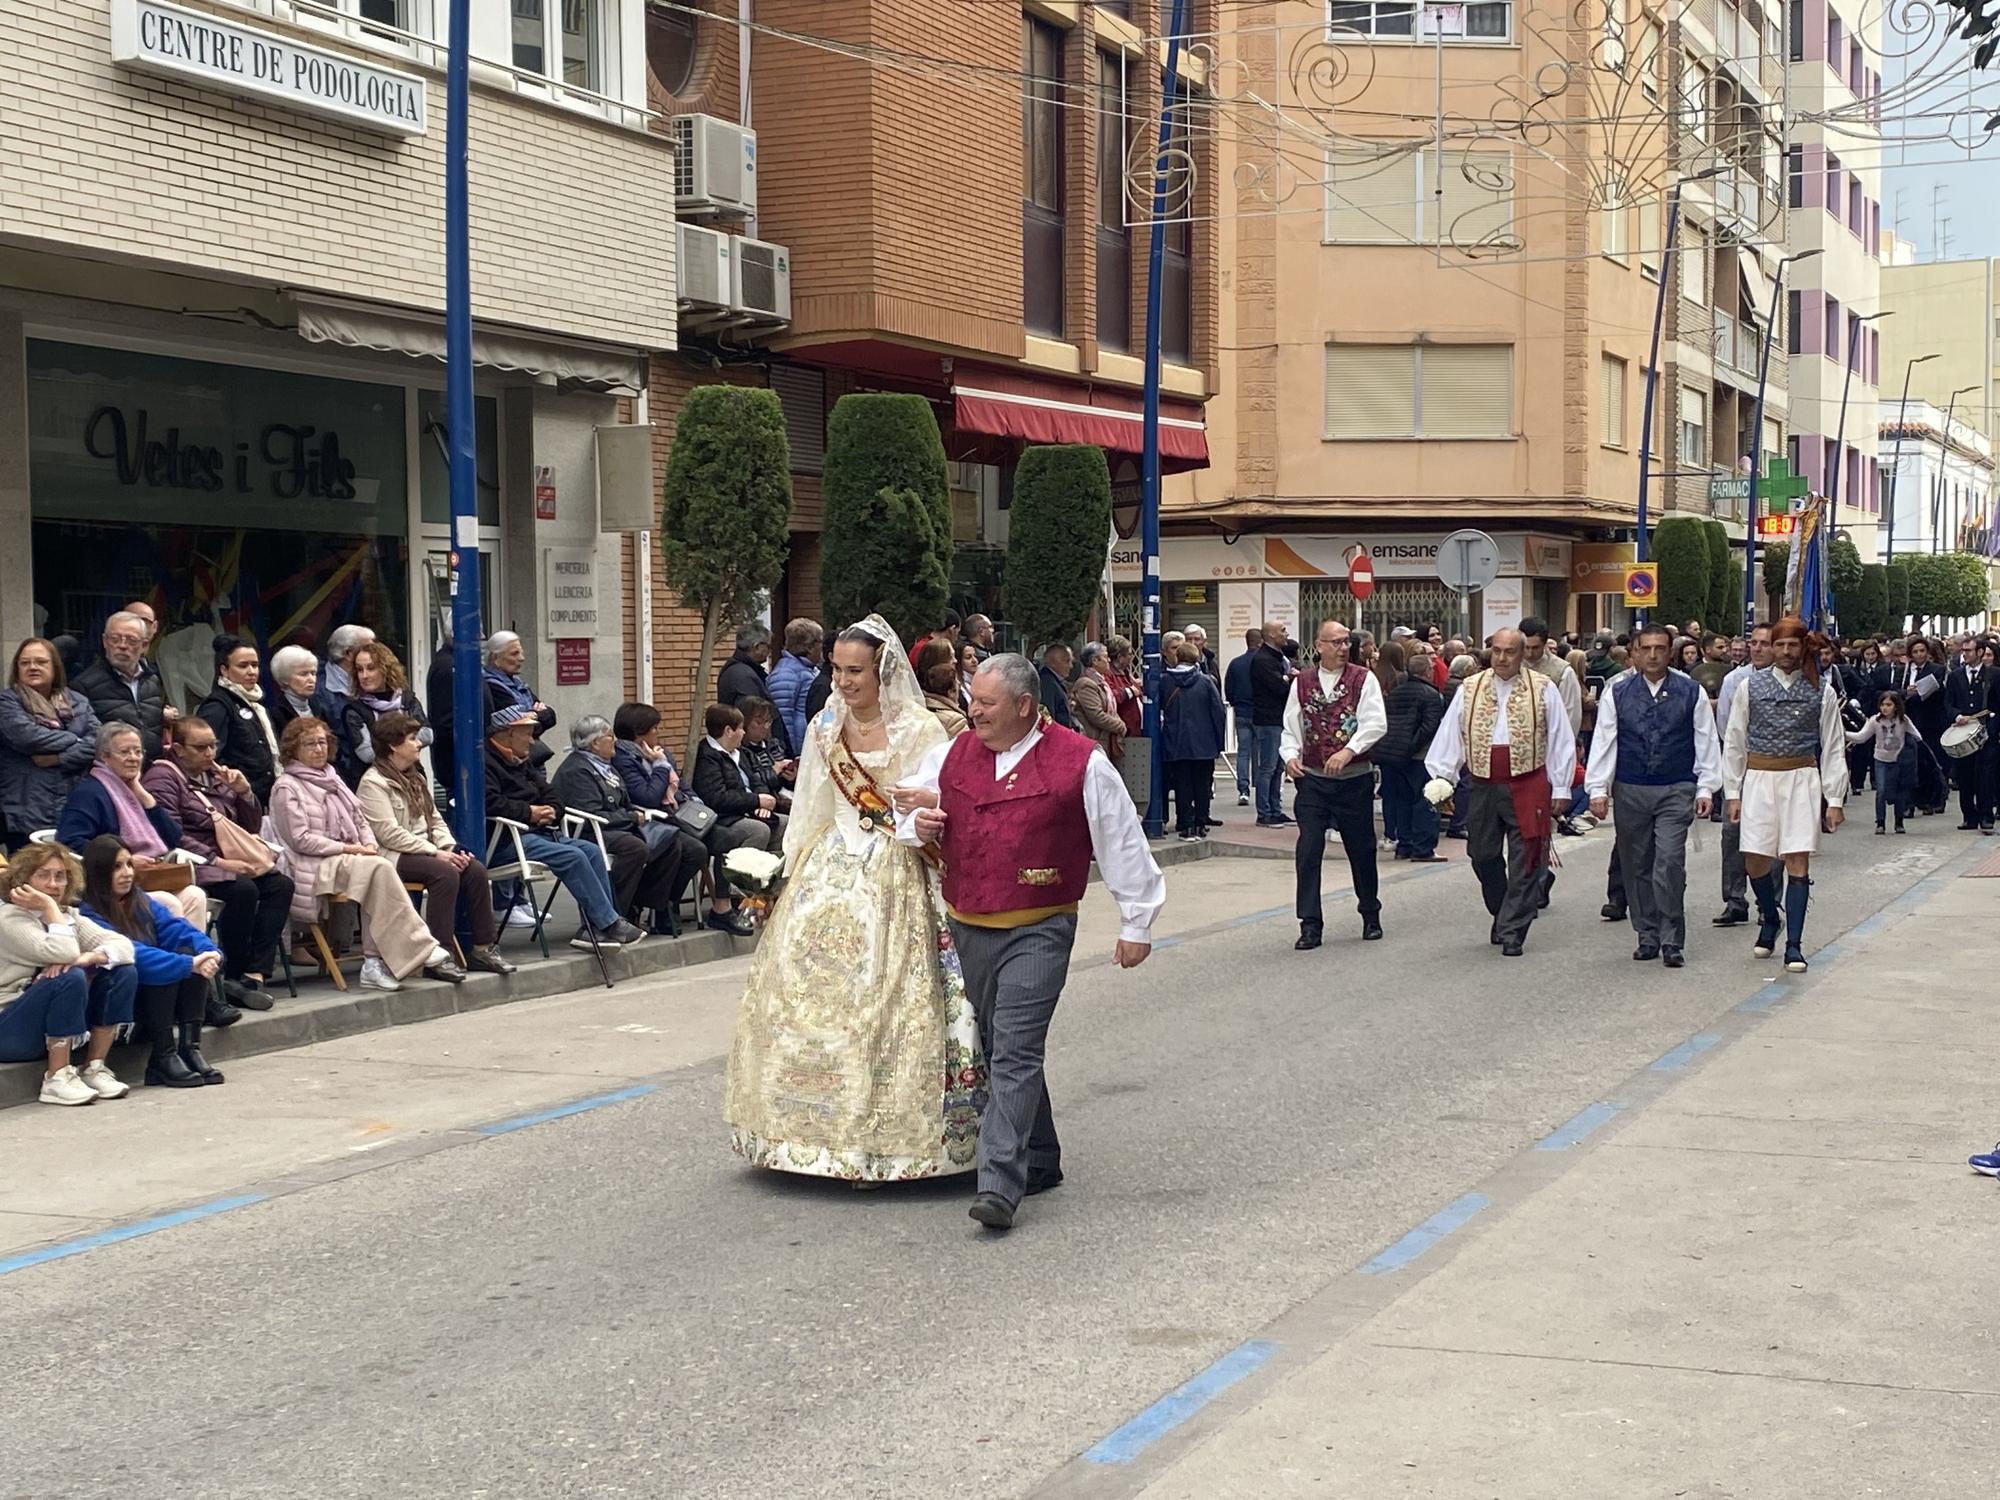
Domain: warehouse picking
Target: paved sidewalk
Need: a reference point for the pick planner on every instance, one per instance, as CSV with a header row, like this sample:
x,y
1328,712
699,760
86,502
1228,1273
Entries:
x,y
1759,1268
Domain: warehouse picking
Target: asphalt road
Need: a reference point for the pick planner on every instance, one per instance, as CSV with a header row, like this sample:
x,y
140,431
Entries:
x,y
610,1304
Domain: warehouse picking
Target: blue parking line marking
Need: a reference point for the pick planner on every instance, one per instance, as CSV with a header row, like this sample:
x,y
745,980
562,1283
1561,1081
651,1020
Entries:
x,y
1767,997
63,1249
1260,916
1686,1052
1167,1413
580,1106
1417,1241
1565,1136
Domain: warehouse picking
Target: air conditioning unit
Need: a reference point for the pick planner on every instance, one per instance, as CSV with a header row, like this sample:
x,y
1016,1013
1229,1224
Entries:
x,y
706,267
763,281
715,166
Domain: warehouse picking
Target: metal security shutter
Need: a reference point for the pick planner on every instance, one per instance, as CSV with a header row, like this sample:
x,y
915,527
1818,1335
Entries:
x,y
1372,199
1370,390
1613,396
802,393
1467,390
1478,197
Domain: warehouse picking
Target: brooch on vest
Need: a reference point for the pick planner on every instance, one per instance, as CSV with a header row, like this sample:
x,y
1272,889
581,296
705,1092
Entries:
x,y
1043,876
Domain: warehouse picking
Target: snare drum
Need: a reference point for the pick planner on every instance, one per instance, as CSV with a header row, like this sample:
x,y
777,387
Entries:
x,y
1962,740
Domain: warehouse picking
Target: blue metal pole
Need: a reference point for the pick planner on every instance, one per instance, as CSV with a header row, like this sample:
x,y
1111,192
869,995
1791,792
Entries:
x,y
468,694
1149,463
1653,373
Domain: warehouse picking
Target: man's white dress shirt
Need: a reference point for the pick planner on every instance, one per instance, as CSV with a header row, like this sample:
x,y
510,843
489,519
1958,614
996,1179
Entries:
x,y
1447,752
1603,768
1371,717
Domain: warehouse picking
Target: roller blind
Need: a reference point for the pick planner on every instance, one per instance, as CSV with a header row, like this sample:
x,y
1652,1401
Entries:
x,y
1613,381
1478,201
1466,390
1370,198
1370,390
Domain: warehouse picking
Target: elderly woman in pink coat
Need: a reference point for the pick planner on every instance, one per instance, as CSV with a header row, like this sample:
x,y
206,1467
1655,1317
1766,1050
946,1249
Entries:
x,y
329,849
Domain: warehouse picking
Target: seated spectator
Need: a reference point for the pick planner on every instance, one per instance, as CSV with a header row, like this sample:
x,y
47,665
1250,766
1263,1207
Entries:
x,y
338,676
1090,703
112,800
123,687
295,672
1191,737
381,686
241,874
176,964
772,769
329,848
504,689
723,781
937,675
649,869
48,741
395,798
791,680
517,790
65,981
234,709
652,781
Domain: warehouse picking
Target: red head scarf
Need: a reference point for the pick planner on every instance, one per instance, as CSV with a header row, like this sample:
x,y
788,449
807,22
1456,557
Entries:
x,y
1792,628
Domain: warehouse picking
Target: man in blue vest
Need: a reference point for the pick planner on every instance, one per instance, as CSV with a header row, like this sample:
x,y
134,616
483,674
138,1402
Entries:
x,y
1655,754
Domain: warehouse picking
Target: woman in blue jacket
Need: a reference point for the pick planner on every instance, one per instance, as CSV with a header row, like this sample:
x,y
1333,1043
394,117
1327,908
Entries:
x,y
1191,737
177,964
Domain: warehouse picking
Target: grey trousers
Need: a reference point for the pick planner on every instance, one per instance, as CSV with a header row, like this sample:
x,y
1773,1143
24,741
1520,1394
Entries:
x,y
1513,893
1014,977
1735,881
1652,832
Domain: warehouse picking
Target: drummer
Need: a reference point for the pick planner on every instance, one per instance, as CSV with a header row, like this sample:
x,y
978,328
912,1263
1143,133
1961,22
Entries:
x,y
1784,773
1970,698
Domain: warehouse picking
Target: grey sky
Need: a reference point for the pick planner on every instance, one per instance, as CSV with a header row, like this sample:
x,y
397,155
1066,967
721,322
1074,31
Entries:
x,y
1940,168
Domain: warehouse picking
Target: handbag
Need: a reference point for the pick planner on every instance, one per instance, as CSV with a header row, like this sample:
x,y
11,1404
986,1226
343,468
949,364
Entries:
x,y
232,843
163,878
694,817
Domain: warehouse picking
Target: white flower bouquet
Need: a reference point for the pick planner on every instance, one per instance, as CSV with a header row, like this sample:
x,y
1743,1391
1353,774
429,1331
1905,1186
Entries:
x,y
755,872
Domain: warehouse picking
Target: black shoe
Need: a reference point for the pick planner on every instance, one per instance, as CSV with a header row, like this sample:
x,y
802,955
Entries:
x,y
1308,937
1673,958
166,1070
190,1050
1270,823
1901,829
1283,818
1795,958
220,1012
992,1210
1044,1182
448,971
733,922
244,996
1732,916
1611,911
1511,948
1967,827
488,960
1987,829
1645,953
1371,930
1493,936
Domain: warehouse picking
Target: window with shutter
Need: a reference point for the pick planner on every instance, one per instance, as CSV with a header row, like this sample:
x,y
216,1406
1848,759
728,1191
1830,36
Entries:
x,y
1370,390
1385,193
802,393
1371,198
1478,199
1613,381
1612,213
1465,390
1692,253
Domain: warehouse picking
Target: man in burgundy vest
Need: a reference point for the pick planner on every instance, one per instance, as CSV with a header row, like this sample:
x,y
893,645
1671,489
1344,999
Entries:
x,y
1333,716
1017,809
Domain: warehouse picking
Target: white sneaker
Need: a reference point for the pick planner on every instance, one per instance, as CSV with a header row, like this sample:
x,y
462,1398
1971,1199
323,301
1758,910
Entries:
x,y
438,956
375,975
521,916
64,1087
104,1083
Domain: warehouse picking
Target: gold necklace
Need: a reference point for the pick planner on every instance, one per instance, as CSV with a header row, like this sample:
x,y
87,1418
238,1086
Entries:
x,y
865,725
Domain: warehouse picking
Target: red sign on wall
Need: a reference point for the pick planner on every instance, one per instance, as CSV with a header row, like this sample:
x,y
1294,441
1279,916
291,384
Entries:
x,y
573,663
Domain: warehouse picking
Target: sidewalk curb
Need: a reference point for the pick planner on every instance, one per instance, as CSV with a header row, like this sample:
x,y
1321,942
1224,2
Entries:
x,y
323,1014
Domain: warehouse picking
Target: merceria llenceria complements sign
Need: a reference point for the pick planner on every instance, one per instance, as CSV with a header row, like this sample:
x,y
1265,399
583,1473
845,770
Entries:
x,y
222,54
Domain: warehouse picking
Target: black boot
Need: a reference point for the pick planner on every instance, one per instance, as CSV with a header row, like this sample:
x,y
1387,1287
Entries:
x,y
191,1052
164,1069
218,1011
1798,893
1765,888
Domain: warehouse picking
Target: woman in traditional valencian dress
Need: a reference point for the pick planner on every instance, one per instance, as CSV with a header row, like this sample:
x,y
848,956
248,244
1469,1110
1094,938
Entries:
x,y
857,1053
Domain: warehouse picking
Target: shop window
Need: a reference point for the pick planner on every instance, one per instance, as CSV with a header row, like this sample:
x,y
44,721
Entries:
x,y
1042,177
264,502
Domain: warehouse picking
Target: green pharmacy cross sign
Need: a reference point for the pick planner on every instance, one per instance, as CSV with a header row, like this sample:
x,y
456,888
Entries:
x,y
1780,488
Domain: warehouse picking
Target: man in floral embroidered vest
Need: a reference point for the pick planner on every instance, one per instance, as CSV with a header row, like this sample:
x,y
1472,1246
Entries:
x,y
1333,716
1509,731
1017,810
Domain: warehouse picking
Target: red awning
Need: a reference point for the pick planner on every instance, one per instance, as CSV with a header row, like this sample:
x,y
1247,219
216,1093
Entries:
x,y
1004,403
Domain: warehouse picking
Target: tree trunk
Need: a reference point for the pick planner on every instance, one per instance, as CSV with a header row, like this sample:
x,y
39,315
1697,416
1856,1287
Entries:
x,y
711,626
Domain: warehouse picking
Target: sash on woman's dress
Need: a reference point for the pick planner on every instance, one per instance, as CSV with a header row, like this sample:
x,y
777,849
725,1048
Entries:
x,y
864,793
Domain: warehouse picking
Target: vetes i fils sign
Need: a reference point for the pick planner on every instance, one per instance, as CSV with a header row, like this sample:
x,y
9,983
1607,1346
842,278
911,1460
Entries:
x,y
222,54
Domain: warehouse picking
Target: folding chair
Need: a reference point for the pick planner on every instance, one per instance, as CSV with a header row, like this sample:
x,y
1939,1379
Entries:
x,y
654,815
518,872
572,821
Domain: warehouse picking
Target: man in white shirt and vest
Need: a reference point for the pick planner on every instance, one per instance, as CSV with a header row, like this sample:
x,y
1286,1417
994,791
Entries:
x,y
1509,730
1017,810
1735,881
1655,754
1333,715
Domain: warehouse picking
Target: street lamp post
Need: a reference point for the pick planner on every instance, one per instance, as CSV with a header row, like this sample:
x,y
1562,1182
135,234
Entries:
x,y
1896,462
1653,353
468,694
1840,432
1757,440
1944,461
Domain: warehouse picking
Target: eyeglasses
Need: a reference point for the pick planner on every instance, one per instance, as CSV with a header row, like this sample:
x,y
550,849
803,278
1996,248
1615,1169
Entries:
x,y
124,640
318,742
194,749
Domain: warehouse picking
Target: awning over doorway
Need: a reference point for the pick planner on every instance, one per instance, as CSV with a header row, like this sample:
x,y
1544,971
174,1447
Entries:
x,y
1035,409
367,325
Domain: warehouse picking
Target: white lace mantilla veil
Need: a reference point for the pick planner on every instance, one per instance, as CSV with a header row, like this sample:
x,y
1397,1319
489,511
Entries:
x,y
912,728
